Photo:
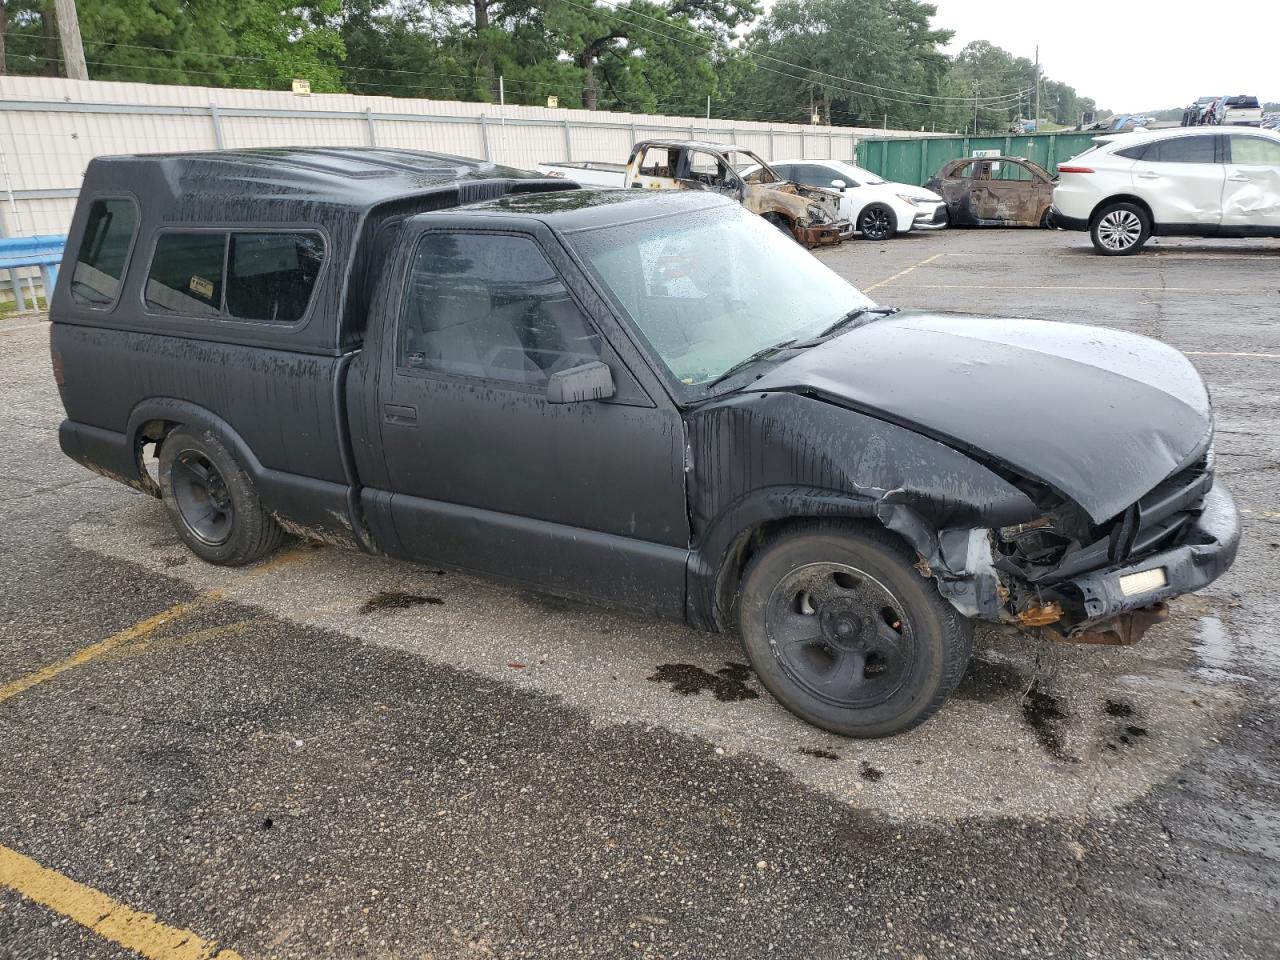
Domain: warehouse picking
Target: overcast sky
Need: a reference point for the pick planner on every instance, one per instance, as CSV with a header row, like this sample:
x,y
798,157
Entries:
x,y
1132,55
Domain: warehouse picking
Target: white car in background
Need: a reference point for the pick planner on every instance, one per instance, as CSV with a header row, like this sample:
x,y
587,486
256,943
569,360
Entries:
x,y
877,208
1182,182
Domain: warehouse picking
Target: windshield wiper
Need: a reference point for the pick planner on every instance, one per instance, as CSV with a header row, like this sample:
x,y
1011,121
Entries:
x,y
856,318
763,354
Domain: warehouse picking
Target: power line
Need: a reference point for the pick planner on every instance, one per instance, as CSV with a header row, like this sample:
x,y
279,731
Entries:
x,y
765,56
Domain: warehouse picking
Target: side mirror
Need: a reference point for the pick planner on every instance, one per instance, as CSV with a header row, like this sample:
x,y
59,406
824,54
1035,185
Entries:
x,y
587,381
839,184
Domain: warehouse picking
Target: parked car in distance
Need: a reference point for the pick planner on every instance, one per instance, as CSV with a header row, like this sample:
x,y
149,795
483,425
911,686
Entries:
x,y
1242,111
810,215
994,192
1184,182
877,208
646,398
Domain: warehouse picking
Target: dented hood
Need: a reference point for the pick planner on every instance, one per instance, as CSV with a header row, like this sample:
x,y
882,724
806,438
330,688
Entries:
x,y
1100,415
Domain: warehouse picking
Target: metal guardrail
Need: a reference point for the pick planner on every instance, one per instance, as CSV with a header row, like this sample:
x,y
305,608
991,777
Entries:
x,y
43,252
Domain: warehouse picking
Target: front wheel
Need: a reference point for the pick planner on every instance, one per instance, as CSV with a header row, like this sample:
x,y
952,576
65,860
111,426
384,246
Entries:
x,y
212,502
845,633
877,222
1120,229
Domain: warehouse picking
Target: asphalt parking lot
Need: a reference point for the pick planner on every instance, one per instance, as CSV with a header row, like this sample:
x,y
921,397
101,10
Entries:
x,y
332,755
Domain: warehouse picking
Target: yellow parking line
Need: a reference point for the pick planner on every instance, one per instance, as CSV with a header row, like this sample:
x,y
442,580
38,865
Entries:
x,y
85,654
108,918
900,274
139,630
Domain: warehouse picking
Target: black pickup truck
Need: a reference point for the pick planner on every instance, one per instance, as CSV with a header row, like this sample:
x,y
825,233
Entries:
x,y
651,399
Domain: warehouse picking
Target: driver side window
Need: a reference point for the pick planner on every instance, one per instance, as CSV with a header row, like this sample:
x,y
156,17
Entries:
x,y
708,169
492,307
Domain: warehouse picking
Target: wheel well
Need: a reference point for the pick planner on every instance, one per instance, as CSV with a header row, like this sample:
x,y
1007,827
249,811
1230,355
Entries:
x,y
1121,198
748,543
151,431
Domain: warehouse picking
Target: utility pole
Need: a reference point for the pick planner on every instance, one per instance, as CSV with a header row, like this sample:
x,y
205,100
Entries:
x,y
69,32
1036,118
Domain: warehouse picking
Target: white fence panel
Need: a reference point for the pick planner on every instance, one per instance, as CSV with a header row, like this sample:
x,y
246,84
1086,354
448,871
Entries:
x,y
51,128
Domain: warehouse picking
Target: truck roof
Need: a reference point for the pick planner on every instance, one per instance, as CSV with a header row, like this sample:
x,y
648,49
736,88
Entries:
x,y
596,207
249,184
696,144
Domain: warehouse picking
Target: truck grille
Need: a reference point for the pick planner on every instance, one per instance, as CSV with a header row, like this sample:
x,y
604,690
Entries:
x,y
1159,518
1157,521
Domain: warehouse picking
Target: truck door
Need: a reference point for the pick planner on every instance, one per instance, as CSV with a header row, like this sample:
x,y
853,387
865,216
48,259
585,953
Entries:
x,y
583,498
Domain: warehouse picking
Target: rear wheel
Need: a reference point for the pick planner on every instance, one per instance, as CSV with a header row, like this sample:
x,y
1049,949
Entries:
x,y
1120,229
877,222
845,633
212,502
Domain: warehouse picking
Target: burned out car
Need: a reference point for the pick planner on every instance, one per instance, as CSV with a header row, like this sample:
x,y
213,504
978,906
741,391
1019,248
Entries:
x,y
644,398
811,215
995,192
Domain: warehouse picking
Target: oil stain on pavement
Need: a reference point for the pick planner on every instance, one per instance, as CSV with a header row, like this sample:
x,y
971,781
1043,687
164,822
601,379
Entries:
x,y
728,683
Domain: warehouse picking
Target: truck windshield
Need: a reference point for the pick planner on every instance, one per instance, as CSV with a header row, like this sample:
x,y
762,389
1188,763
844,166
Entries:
x,y
709,288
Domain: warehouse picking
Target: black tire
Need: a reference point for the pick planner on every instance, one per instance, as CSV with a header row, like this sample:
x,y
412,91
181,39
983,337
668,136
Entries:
x,y
877,222
212,502
779,221
886,650
1046,219
1120,229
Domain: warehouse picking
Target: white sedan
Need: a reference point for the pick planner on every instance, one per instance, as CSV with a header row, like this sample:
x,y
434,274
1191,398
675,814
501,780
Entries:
x,y
877,208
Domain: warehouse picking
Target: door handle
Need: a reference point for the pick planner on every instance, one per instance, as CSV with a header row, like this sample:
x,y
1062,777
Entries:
x,y
395,413
1149,176
1238,178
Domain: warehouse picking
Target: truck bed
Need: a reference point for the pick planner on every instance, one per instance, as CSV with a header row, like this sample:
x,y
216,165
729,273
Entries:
x,y
593,173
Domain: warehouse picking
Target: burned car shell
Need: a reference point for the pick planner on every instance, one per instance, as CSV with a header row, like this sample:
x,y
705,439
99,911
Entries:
x,y
976,197
765,193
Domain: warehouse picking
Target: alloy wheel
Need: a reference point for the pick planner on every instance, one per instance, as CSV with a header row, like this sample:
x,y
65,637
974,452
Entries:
x,y
875,224
1119,229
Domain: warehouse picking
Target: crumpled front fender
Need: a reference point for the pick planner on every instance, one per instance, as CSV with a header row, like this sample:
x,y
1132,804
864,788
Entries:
x,y
756,457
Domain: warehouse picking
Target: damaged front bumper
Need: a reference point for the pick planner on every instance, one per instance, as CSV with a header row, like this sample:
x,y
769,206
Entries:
x,y
823,234
1113,604
1206,552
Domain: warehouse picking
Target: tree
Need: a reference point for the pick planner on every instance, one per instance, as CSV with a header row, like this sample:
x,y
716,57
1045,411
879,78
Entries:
x,y
846,60
210,42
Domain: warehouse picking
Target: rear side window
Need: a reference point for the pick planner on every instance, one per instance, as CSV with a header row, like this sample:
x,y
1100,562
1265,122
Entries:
x,y
1013,171
270,275
186,274
1255,150
262,276
104,250
1182,150
1133,153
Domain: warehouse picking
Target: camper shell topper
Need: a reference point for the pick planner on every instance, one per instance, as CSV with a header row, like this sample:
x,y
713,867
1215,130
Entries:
x,y
651,398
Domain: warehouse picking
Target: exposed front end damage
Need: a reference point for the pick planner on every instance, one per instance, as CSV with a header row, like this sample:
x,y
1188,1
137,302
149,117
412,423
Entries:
x,y
813,213
1027,505
1077,581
